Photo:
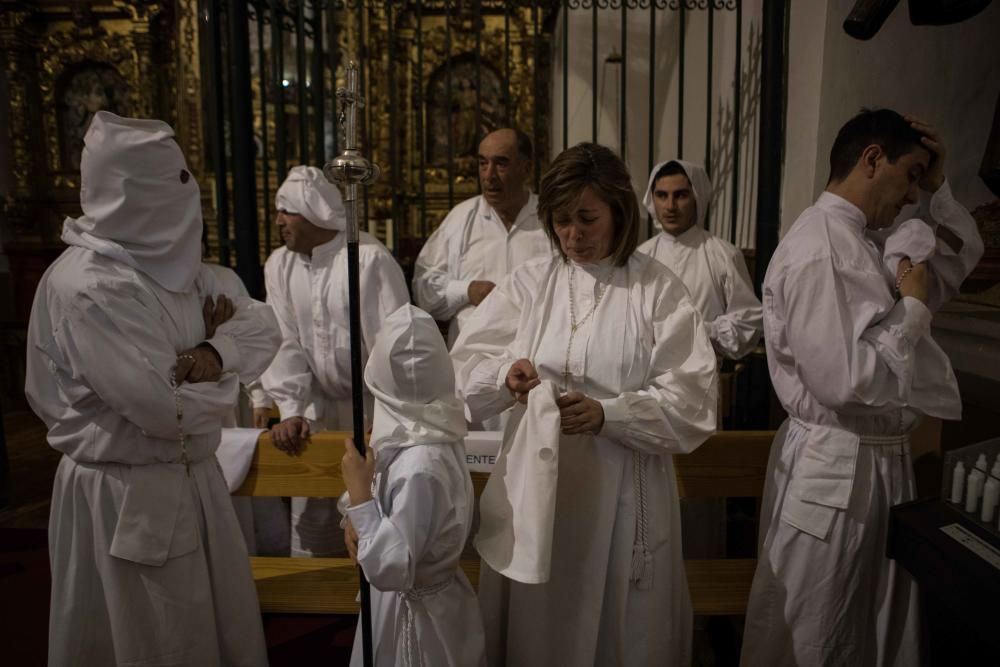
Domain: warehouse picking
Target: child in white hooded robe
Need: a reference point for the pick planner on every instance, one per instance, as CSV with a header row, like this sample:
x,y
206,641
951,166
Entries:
x,y
411,504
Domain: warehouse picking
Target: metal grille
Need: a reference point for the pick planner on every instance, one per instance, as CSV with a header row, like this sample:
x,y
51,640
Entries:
x,y
650,78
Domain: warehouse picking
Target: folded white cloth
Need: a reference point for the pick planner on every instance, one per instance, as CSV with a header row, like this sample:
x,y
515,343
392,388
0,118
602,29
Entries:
x,y
517,507
913,240
235,454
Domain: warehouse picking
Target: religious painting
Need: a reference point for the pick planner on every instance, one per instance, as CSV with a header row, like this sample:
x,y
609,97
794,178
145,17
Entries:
x,y
453,112
85,90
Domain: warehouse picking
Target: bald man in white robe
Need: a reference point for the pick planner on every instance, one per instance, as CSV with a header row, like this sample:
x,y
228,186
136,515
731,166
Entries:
x,y
149,566
310,379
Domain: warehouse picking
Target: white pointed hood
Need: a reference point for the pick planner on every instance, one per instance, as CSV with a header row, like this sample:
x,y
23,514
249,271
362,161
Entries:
x,y
411,377
141,205
306,192
701,186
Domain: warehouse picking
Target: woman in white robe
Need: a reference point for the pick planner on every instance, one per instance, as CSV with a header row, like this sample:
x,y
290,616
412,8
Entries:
x,y
617,332
148,563
411,533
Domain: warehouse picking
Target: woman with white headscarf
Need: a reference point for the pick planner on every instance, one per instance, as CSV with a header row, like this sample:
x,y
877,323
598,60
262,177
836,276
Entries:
x,y
413,524
148,563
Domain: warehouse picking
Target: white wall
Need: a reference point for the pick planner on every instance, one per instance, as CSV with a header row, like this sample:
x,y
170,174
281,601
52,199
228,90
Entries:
x,y
666,69
948,75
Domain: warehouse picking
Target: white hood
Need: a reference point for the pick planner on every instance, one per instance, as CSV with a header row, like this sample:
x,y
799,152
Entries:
x,y
141,204
306,192
701,187
411,377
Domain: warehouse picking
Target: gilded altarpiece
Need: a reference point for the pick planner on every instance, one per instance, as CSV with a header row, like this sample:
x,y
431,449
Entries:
x,y
430,71
63,61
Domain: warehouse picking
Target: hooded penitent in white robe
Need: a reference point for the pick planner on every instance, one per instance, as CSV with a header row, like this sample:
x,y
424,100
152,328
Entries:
x,y
851,365
472,243
712,269
617,592
411,534
311,374
149,567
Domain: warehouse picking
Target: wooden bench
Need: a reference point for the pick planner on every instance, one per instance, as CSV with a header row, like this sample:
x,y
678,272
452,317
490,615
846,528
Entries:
x,y
730,464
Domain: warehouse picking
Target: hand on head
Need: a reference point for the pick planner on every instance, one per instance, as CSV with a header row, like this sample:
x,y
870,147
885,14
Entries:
x,y
290,435
522,378
934,176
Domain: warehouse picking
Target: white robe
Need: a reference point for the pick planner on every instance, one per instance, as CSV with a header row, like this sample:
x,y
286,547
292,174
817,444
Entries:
x,y
645,356
846,362
149,565
410,540
311,374
715,274
472,243
412,532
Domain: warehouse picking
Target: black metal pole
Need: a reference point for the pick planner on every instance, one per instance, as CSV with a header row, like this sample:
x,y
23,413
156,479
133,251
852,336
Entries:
x,y
351,170
278,84
565,68
242,149
318,83
593,73
357,381
300,75
216,103
772,113
737,124
680,82
265,153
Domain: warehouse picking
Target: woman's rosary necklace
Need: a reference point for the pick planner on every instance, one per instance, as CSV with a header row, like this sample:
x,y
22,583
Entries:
x,y
574,325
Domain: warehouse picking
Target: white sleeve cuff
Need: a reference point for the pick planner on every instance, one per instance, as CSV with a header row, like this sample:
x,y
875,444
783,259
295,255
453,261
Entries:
x,y
365,519
228,352
916,318
258,397
456,293
615,409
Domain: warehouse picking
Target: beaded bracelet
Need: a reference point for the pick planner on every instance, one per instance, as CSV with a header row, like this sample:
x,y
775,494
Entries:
x,y
899,281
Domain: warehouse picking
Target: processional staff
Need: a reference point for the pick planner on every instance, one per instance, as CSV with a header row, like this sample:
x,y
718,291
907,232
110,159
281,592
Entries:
x,y
351,169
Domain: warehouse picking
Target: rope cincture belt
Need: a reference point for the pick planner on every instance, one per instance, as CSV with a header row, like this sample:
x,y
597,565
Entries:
x,y
410,641
642,560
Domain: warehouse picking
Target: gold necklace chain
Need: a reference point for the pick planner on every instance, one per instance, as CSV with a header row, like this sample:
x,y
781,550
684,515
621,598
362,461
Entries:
x,y
573,324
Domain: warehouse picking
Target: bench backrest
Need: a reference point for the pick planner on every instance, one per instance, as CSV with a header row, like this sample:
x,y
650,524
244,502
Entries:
x,y
730,464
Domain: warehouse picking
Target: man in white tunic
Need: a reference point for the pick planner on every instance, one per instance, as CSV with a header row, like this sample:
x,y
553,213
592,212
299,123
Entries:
x,y
310,379
412,525
712,269
484,238
846,359
618,334
148,564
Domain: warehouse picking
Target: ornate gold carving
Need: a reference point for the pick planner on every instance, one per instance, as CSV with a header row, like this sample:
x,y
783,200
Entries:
x,y
65,50
188,94
46,46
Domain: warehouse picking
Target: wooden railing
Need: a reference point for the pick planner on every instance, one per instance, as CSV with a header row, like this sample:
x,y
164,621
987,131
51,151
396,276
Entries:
x,y
730,464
